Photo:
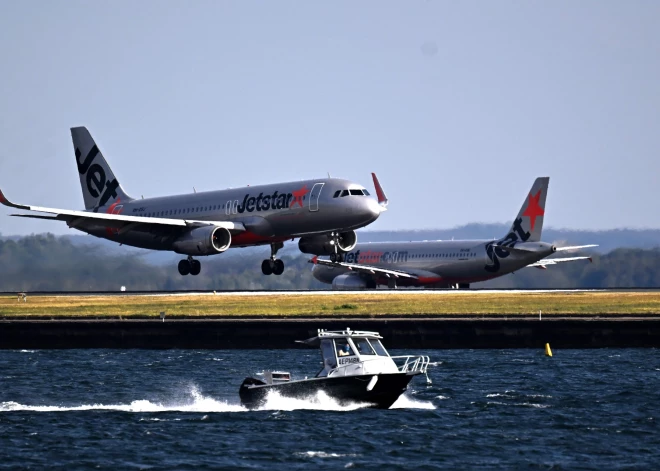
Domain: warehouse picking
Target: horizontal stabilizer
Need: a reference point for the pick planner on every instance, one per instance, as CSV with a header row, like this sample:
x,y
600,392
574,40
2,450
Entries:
x,y
576,247
554,261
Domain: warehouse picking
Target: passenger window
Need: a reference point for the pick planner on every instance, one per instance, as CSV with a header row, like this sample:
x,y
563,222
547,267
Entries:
x,y
344,193
336,194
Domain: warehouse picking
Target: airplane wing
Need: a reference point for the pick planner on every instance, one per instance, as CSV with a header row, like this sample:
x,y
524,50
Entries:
x,y
114,220
543,264
360,268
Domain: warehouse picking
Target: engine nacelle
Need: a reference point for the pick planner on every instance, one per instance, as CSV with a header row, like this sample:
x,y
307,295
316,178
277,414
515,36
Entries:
x,y
207,240
324,244
349,281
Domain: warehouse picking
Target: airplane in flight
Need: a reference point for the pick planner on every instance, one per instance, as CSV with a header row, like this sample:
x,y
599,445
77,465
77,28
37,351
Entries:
x,y
448,264
323,213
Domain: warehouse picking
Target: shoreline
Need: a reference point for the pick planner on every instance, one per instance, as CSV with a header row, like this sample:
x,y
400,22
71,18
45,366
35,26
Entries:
x,y
281,333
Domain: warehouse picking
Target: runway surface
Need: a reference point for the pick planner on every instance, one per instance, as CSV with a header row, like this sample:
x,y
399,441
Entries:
x,y
378,292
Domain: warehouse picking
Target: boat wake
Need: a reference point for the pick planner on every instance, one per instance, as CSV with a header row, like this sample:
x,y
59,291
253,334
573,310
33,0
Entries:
x,y
200,403
407,402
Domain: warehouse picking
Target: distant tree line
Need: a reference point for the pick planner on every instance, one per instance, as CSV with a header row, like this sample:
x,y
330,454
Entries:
x,y
45,262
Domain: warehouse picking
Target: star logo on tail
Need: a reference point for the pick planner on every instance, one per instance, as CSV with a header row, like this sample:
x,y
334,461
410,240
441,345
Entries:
x,y
113,210
298,196
533,209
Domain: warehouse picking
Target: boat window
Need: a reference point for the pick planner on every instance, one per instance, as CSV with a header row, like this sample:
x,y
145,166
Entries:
x,y
380,350
343,349
363,347
356,192
336,194
344,193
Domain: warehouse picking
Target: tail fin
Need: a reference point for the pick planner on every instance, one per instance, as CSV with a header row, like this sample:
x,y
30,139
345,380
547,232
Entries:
x,y
529,222
99,185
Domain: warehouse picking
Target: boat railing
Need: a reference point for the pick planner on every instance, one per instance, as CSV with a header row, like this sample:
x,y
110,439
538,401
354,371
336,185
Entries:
x,y
412,363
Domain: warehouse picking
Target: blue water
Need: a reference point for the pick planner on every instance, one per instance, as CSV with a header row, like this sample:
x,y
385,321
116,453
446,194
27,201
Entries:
x,y
490,409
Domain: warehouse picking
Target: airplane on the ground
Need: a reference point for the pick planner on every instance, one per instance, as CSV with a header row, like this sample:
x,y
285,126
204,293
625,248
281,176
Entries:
x,y
323,213
448,264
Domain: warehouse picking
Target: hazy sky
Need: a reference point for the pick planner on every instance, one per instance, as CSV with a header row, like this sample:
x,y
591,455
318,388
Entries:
x,y
457,106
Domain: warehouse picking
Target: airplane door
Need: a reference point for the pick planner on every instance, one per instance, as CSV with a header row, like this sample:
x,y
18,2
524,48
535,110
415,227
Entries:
x,y
314,196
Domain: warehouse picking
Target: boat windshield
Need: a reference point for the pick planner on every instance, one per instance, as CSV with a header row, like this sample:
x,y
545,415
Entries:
x,y
380,350
363,346
343,348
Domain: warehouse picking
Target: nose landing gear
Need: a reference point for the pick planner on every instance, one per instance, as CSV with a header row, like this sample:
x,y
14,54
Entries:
x,y
272,265
189,266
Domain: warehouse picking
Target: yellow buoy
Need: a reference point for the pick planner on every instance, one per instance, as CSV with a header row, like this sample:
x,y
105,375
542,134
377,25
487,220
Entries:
x,y
548,352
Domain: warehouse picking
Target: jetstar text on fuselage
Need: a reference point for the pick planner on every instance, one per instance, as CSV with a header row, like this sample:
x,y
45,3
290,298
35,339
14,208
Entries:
x,y
275,200
372,256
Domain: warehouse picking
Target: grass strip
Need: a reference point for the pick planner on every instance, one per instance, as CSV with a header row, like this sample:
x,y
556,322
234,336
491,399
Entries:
x,y
371,304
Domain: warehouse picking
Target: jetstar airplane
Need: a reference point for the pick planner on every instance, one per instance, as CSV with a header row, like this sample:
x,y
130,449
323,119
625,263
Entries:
x,y
445,264
323,213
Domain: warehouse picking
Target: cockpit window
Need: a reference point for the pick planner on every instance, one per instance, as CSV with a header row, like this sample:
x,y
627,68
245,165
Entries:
x,y
336,193
365,192
356,192
380,350
343,348
363,347
344,193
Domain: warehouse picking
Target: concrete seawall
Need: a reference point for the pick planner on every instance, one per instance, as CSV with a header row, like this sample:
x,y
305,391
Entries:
x,y
281,333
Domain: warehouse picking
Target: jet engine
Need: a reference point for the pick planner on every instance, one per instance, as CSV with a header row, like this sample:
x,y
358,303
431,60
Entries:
x,y
207,240
349,281
324,244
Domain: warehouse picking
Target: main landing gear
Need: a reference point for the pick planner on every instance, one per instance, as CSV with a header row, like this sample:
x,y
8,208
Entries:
x,y
189,266
272,265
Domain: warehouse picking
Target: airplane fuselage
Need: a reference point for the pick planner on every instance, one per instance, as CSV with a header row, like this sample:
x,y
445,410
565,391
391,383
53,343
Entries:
x,y
270,213
440,263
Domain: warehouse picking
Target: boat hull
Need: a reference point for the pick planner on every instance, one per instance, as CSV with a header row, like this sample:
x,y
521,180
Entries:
x,y
344,389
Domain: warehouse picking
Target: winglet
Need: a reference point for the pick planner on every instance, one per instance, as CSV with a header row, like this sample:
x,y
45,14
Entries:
x,y
382,198
6,202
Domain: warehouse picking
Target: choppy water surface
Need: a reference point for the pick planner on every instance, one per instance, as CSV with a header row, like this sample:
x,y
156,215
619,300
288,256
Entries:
x,y
490,409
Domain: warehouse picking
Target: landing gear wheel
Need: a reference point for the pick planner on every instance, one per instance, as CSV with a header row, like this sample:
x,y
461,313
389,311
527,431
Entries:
x,y
278,267
195,267
267,267
184,267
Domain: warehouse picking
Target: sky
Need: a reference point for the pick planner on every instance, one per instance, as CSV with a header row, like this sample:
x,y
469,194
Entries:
x,y
457,106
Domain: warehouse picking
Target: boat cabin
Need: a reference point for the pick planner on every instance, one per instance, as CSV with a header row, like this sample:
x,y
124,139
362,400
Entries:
x,y
352,352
